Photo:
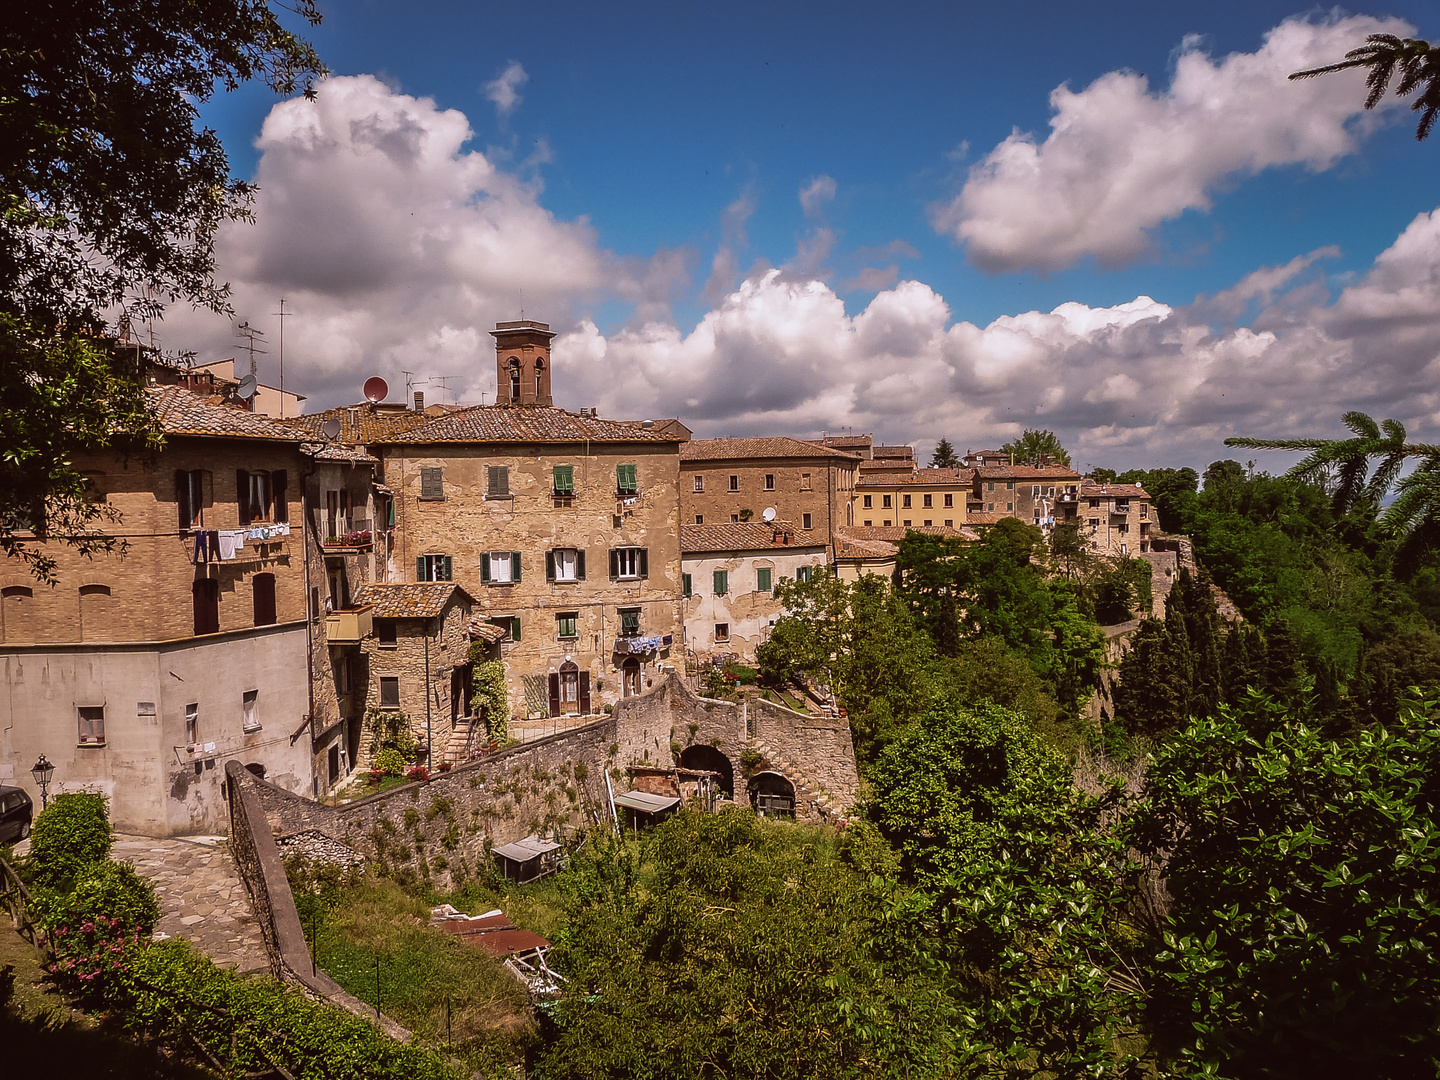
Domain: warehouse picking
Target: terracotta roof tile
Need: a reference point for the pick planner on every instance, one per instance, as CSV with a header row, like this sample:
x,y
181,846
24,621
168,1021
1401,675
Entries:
x,y
1091,490
907,452
763,446
1026,472
414,600
859,442
362,423
183,413
339,452
956,477
525,423
743,536
870,541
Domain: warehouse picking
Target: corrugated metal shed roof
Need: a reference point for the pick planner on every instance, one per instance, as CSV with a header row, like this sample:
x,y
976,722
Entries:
x,y
531,847
645,802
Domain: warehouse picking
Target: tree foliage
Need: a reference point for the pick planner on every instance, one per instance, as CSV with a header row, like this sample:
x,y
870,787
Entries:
x,y
1417,63
110,200
1037,446
944,456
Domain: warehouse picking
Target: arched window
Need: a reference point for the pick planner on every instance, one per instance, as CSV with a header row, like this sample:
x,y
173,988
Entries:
x,y
539,374
514,378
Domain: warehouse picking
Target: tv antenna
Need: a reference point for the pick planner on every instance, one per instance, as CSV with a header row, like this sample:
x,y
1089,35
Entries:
x,y
283,314
253,340
440,381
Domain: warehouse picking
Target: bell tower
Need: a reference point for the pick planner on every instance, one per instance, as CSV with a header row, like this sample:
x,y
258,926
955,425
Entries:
x,y
522,363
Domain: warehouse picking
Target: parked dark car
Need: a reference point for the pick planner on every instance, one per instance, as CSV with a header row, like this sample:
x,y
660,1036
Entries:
x,y
16,810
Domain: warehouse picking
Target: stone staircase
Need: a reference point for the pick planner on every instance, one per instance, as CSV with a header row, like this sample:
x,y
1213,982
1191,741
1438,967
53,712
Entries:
x,y
807,794
455,750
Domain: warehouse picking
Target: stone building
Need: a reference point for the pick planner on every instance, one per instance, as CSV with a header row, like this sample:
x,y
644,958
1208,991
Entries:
x,y
1032,493
865,550
142,669
563,526
1118,519
730,574
919,497
726,481
415,664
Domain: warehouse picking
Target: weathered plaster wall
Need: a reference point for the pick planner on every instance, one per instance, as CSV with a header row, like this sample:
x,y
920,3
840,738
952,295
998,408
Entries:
x,y
743,608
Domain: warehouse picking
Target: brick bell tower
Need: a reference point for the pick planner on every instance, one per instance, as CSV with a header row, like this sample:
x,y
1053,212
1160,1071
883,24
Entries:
x,y
522,363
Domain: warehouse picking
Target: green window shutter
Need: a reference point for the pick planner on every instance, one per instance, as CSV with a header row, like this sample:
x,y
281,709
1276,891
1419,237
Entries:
x,y
515,628
390,513
449,572
515,566
580,564
419,567
626,480
499,480
614,562
645,562
431,484
721,581
484,567
762,579
549,566
564,479
685,586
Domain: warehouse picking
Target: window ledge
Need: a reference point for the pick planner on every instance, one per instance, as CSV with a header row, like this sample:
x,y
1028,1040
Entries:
x,y
252,730
566,581
380,645
430,498
91,745
498,498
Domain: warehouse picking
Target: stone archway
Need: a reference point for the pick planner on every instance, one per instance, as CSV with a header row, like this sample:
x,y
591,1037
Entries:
x,y
630,677
712,760
772,795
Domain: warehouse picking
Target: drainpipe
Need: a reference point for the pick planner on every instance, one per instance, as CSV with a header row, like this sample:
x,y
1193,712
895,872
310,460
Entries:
x,y
429,744
309,616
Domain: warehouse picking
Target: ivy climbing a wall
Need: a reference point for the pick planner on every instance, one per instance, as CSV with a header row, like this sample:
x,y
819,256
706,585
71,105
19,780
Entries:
x,y
490,697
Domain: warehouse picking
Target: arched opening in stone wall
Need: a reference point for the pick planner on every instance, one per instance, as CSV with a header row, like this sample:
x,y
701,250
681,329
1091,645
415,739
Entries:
x,y
630,677
711,760
772,795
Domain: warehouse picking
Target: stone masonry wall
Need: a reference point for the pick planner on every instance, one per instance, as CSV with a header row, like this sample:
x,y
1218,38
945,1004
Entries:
x,y
819,746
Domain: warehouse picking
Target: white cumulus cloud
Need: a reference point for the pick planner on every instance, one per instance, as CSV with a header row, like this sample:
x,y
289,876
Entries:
x,y
503,89
815,194
1122,158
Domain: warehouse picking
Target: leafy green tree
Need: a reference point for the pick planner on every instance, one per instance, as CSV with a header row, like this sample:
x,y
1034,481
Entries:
x,y
110,200
1385,54
70,836
1301,873
1037,446
1172,491
746,948
944,456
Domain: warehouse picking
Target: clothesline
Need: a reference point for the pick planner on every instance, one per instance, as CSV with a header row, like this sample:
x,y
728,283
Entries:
x,y
224,545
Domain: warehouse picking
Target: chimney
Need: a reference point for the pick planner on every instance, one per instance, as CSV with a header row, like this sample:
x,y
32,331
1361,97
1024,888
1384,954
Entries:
x,y
419,401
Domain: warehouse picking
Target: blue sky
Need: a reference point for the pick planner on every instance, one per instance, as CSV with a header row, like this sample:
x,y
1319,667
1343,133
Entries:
x,y
639,175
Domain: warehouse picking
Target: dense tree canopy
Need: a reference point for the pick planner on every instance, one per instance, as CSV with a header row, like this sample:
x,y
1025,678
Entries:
x,y
944,456
1037,446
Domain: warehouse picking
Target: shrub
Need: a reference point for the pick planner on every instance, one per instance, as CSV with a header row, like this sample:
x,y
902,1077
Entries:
x,y
72,834
94,929
390,762
419,774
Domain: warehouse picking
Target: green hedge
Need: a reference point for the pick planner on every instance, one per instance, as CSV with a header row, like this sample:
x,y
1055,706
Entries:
x,y
72,834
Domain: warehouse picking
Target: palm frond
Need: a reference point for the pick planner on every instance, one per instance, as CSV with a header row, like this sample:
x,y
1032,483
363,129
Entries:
x,y
1276,444
1361,424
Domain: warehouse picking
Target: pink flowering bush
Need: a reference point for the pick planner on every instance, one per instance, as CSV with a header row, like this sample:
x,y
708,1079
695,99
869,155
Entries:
x,y
419,773
93,931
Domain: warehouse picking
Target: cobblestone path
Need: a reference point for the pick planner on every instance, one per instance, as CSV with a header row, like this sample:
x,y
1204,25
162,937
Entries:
x,y
201,896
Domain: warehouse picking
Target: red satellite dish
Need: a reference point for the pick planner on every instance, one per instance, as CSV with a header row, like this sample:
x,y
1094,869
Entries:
x,y
376,388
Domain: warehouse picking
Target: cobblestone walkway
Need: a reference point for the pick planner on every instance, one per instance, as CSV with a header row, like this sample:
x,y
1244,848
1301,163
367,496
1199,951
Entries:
x,y
201,896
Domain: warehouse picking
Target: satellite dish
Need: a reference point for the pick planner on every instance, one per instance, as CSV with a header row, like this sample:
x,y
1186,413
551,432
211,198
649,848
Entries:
x,y
248,385
376,388
769,513
332,427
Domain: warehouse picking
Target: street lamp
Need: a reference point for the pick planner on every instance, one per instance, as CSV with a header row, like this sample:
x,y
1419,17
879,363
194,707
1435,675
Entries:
x,y
42,770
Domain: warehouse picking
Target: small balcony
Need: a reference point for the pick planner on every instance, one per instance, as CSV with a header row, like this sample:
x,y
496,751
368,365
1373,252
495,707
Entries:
x,y
349,626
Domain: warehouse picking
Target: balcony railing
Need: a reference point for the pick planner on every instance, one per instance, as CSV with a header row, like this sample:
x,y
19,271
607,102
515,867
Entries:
x,y
349,626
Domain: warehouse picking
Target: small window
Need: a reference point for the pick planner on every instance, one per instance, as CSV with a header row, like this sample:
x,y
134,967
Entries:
x,y
564,480
94,590
510,624
769,481
868,502
630,622
805,521
192,723
1035,491
686,586
92,725
804,573
699,483
950,522
250,710
734,483
990,486
905,502
433,568
190,496
626,480
990,508
1010,485
19,591
804,481
385,633
497,481
431,484
734,519
500,567
869,521
722,631
928,501
927,521
567,624
885,502
905,522
699,519
565,564
342,675
629,562
1094,504
722,582
1010,508
1144,510
762,579
389,692
949,501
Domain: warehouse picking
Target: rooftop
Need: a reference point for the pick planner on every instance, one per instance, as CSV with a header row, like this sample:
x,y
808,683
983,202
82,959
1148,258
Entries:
x,y
1089,489
184,413
762,446
1025,472
894,452
415,600
871,541
744,536
939,477
362,423
525,423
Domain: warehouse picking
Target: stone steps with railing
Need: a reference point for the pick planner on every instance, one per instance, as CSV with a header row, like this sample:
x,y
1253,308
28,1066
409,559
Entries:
x,y
806,791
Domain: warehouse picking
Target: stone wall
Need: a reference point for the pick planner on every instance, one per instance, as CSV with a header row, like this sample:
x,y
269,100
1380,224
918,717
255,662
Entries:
x,y
442,831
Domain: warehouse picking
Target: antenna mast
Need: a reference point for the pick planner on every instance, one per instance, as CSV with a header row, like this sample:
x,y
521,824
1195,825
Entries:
x,y
253,340
283,316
